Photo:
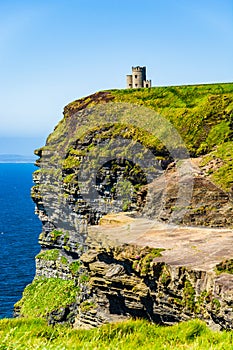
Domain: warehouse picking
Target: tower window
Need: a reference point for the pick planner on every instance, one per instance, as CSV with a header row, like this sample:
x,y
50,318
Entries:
x,y
135,76
136,85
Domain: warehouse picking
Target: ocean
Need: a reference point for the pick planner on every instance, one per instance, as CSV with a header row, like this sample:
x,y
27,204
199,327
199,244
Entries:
x,y
19,231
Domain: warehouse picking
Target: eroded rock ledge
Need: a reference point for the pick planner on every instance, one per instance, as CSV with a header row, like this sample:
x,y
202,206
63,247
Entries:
x,y
135,267
176,281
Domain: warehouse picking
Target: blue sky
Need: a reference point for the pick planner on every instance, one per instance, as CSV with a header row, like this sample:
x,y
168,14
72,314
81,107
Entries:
x,y
52,52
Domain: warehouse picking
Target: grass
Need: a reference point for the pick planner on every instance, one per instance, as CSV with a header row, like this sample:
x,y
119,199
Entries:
x,y
202,114
75,267
223,174
51,254
132,334
44,295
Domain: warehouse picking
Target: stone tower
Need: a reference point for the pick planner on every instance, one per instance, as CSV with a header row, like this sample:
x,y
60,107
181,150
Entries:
x,y
138,78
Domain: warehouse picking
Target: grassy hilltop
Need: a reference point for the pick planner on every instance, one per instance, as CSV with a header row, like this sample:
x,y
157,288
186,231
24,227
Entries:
x,y
201,114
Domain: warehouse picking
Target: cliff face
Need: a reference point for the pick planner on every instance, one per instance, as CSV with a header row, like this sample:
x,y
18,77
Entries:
x,y
129,151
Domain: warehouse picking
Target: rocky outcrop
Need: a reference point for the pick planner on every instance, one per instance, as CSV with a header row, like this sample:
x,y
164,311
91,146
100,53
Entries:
x,y
208,205
160,260
120,277
177,281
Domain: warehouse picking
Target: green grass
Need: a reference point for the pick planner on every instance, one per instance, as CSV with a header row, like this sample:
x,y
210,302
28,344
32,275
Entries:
x,y
55,234
202,114
223,174
44,295
32,334
75,267
51,254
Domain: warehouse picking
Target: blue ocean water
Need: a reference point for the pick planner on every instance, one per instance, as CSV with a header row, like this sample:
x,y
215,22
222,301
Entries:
x,y
19,231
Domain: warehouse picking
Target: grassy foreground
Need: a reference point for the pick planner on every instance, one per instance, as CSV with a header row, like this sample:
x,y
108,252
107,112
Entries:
x,y
139,334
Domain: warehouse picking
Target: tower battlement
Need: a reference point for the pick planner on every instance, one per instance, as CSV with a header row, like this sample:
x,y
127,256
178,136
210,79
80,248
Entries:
x,y
138,69
138,78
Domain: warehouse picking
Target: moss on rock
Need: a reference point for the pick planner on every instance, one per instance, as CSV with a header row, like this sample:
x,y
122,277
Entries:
x,y
225,266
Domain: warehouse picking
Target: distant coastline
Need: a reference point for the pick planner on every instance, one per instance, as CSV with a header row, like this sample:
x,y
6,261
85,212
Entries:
x,y
16,158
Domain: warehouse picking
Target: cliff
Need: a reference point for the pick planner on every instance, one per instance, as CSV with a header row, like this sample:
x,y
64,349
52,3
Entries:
x,y
134,192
